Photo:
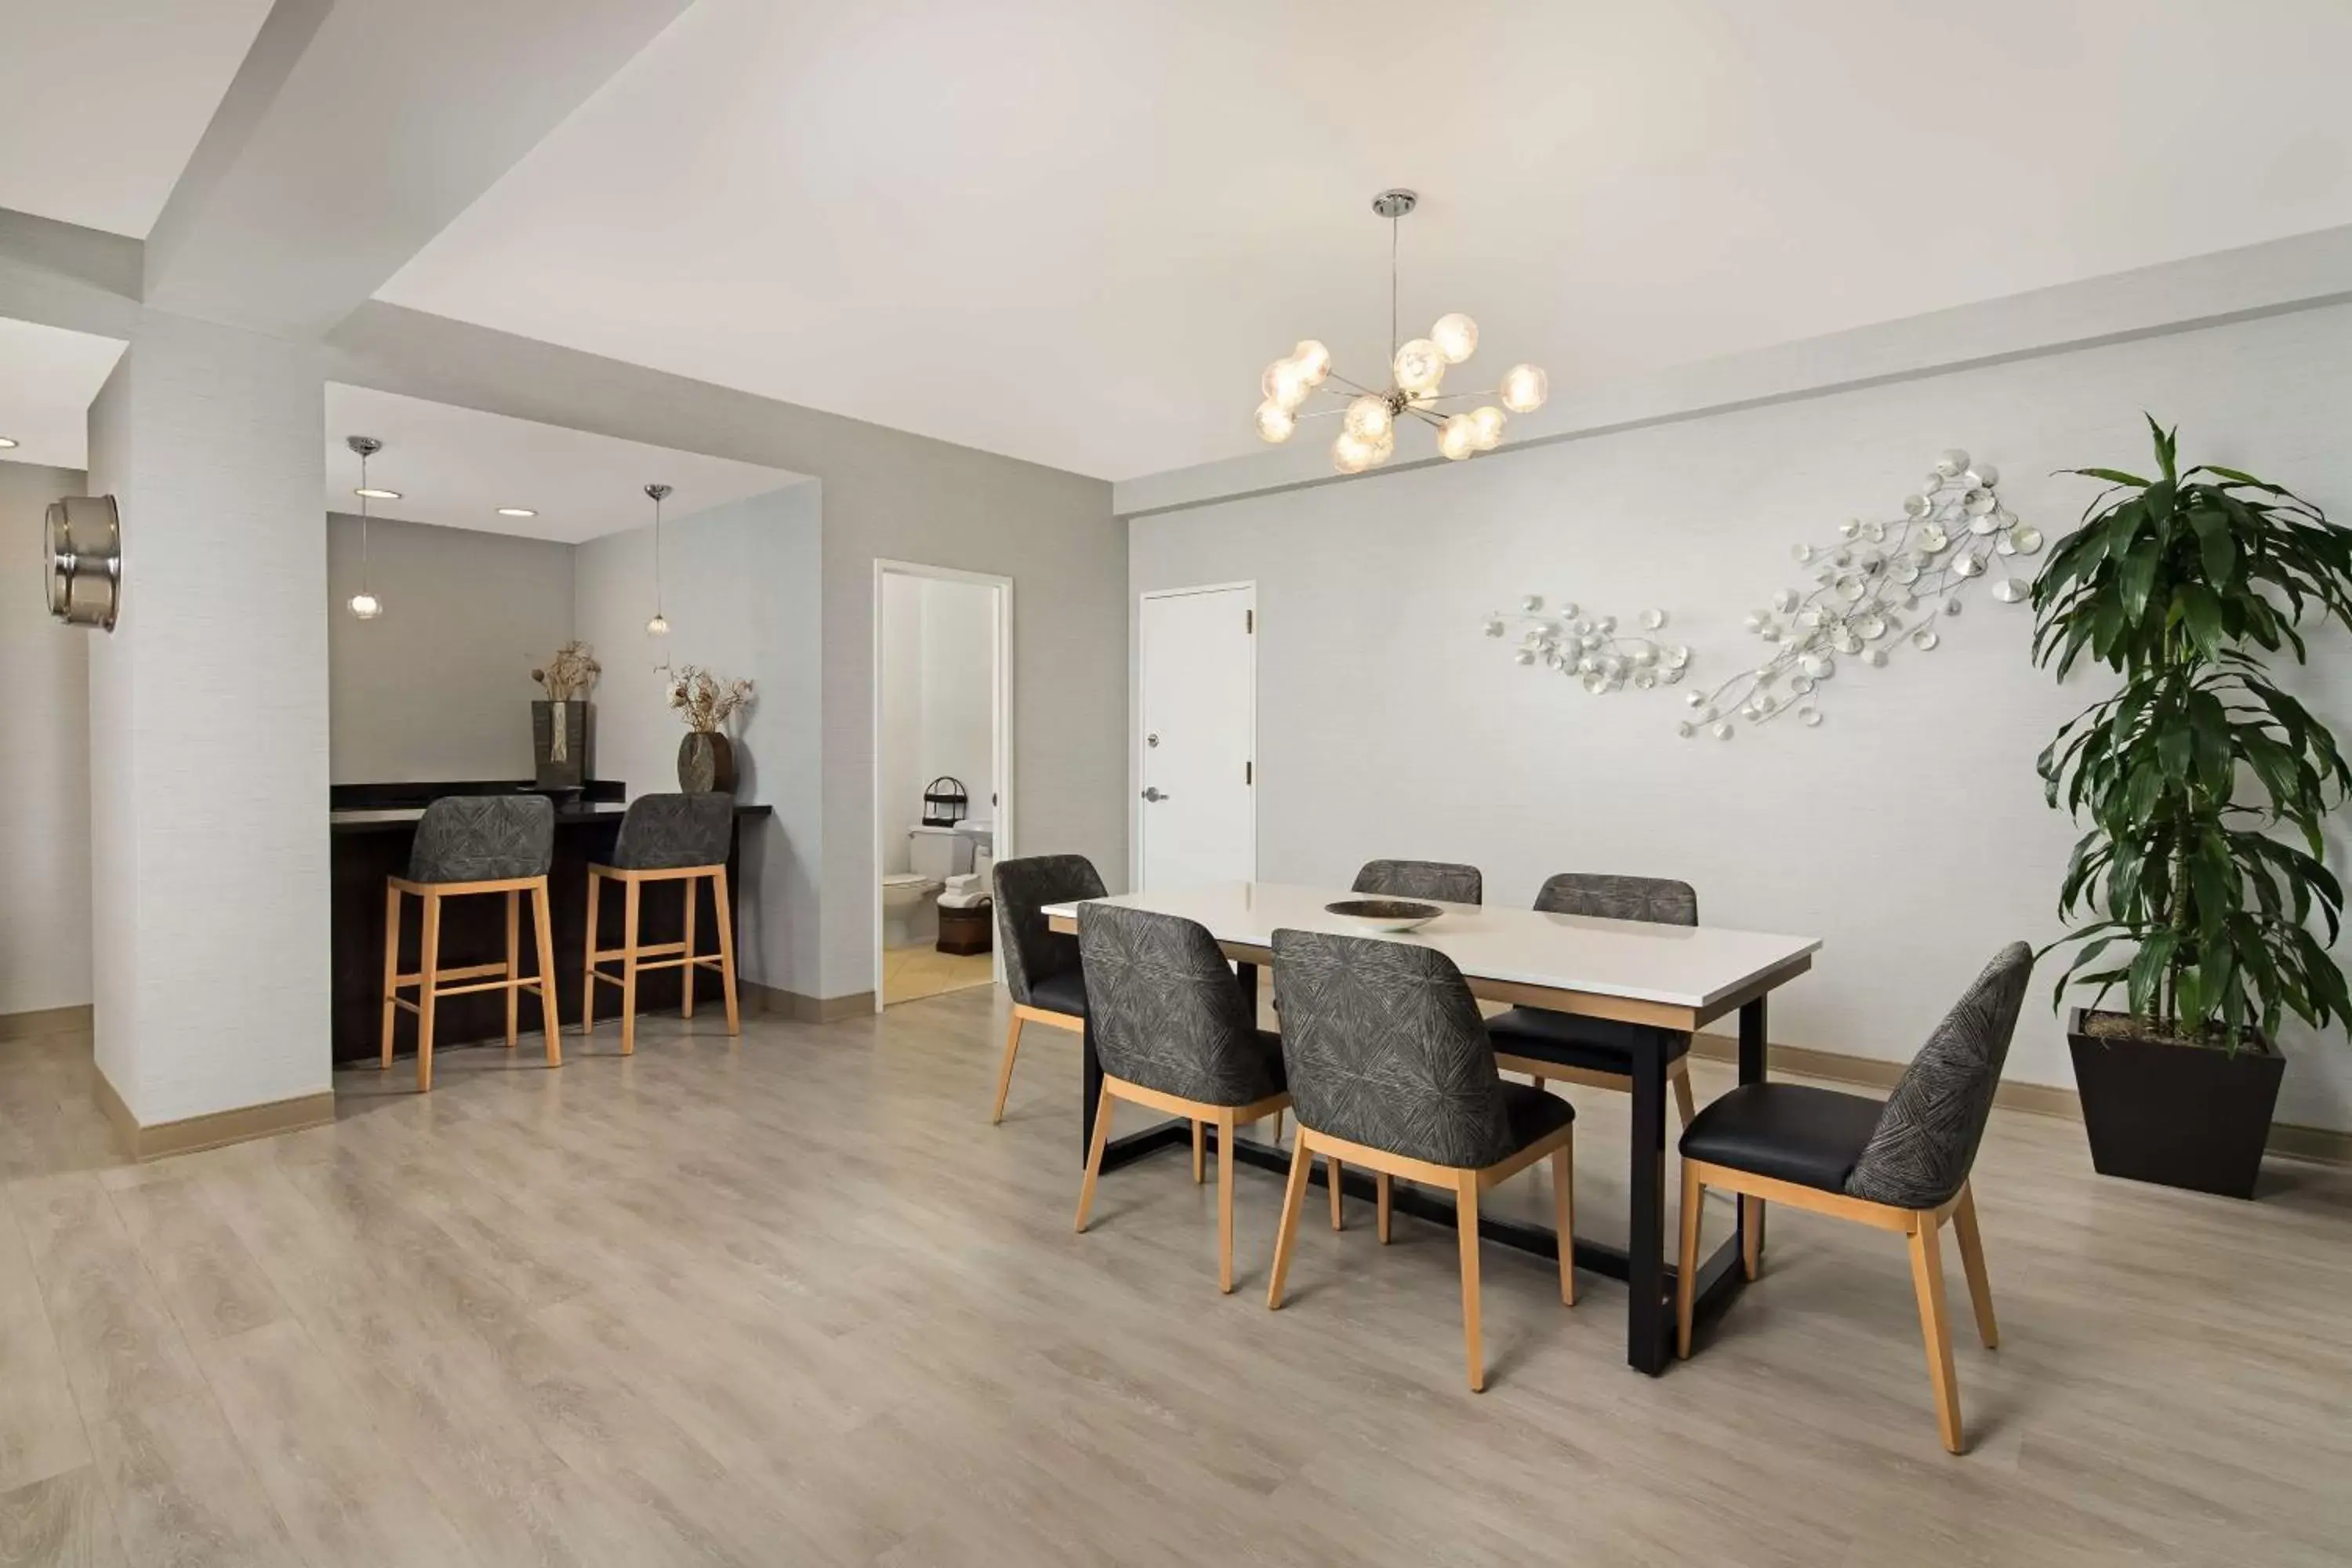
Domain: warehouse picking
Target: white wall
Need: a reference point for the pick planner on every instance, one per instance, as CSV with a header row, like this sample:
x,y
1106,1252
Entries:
x,y
900,681
1908,831
44,769
438,687
741,589
939,663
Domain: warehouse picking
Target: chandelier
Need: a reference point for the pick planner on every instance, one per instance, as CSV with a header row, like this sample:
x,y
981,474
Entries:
x,y
364,605
1417,369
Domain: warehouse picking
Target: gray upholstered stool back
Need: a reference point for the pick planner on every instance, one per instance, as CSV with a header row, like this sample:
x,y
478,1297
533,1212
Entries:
x,y
1441,879
671,831
1024,888
1383,1046
483,838
1926,1138
1657,899
1166,1010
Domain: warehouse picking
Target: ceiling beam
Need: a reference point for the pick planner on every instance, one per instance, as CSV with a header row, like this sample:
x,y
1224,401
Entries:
x,y
356,131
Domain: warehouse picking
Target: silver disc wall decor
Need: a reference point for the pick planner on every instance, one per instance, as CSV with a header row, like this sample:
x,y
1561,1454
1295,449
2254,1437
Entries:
x,y
1593,650
81,557
1879,587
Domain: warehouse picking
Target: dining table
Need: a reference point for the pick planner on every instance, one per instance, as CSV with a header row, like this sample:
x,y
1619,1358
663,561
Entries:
x,y
1672,979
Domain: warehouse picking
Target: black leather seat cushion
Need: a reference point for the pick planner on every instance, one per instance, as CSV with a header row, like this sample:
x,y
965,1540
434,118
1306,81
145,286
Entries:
x,y
1788,1130
1533,1113
1571,1039
1062,992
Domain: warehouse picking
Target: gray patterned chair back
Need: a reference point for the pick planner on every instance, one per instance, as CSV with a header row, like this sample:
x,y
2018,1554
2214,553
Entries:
x,y
1024,888
1926,1138
1441,879
670,832
483,838
1382,1045
1166,1010
1658,899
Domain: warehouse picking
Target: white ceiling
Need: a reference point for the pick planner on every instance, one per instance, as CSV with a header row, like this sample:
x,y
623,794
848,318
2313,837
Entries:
x,y
456,467
1076,231
48,377
102,100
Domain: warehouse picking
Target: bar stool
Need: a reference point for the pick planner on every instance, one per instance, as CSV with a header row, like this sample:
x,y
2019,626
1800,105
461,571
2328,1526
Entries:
x,y
664,838
468,845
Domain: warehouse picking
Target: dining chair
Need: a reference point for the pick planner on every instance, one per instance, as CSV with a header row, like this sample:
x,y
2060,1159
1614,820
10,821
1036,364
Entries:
x,y
1445,880
667,838
1598,1052
1390,1068
1900,1166
1040,965
1174,1033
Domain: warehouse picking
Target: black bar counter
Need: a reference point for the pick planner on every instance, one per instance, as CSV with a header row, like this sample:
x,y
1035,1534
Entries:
x,y
370,845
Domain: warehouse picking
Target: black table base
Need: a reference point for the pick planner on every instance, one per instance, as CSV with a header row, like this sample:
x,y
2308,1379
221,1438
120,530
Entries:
x,y
1641,1264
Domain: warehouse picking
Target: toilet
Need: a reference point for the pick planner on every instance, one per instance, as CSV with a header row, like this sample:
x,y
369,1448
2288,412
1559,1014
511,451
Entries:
x,y
935,855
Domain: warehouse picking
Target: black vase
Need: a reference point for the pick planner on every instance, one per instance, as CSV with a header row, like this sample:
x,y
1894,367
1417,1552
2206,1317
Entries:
x,y
2186,1115
706,760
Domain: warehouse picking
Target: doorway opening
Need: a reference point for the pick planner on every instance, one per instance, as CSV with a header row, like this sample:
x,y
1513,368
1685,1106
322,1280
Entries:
x,y
942,775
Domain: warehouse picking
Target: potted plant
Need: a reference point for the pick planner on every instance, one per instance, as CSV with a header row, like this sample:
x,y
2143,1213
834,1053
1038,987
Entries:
x,y
559,725
2197,886
706,758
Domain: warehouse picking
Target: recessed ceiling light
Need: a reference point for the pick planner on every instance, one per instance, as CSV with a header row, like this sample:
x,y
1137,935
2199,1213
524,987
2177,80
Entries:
x,y
7,445
517,511
373,493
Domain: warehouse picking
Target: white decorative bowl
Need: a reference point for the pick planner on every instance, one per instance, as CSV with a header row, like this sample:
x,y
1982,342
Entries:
x,y
1389,915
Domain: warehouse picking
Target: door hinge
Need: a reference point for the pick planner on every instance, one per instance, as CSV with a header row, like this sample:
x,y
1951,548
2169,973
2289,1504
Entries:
x,y
1249,623
1249,773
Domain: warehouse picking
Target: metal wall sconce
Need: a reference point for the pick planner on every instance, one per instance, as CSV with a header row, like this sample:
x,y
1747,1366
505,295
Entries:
x,y
82,558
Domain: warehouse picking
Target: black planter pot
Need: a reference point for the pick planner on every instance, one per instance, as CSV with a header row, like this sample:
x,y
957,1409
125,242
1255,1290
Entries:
x,y
2186,1115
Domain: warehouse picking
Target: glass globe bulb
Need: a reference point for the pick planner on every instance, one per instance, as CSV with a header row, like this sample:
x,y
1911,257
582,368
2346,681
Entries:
x,y
1456,337
1370,418
1285,383
1351,454
658,626
366,605
1525,387
1458,437
1419,366
1488,422
1313,360
1275,423
1385,447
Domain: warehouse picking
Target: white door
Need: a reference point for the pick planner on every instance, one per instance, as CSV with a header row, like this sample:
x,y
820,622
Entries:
x,y
1197,820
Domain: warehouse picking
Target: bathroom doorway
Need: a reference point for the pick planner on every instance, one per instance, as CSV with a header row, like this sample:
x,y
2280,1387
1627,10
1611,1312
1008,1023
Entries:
x,y
942,775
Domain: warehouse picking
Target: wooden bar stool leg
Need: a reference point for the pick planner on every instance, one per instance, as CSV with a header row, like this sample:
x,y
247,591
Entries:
x,y
514,967
588,960
549,1016
629,966
428,986
723,908
693,885
391,968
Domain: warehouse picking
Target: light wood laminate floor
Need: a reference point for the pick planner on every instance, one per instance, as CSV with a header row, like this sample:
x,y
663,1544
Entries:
x,y
790,1299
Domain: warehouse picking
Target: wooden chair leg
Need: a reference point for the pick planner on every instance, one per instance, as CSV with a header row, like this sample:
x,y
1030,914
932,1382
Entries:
x,y
723,911
1563,1198
428,982
1199,1147
1005,1069
1094,1156
1293,1199
1686,1258
629,906
1972,1260
1927,1276
1684,1103
1278,1127
514,968
1380,1187
391,968
1751,1236
1225,1202
1331,1169
686,973
588,960
549,1017
1466,1222
1536,1081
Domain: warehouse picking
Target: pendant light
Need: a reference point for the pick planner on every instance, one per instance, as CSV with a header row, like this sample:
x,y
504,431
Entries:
x,y
659,626
364,604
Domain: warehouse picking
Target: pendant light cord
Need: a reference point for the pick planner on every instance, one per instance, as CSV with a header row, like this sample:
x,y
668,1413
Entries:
x,y
1392,289
364,572
658,583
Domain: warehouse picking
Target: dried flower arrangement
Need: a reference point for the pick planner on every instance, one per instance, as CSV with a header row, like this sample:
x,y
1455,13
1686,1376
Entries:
x,y
705,700
569,674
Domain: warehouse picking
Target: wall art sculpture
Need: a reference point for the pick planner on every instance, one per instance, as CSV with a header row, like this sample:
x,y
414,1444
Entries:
x,y
1591,648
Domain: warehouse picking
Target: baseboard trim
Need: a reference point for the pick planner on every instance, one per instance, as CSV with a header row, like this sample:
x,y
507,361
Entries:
x,y
806,1009
2320,1143
46,1021
213,1131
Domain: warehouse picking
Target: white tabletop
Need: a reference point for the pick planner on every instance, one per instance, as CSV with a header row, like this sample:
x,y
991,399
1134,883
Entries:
x,y
1696,967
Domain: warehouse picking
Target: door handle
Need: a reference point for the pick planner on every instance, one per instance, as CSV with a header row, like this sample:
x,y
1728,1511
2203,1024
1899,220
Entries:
x,y
1153,794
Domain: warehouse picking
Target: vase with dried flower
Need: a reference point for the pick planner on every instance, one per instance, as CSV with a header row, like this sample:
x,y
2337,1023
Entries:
x,y
706,758
559,724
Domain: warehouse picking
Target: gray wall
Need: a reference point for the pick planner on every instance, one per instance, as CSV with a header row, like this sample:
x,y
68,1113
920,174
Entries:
x,y
438,687
44,767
